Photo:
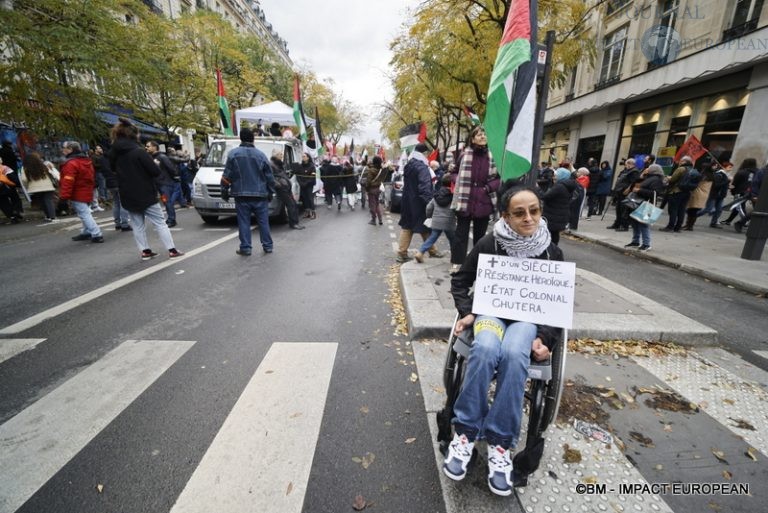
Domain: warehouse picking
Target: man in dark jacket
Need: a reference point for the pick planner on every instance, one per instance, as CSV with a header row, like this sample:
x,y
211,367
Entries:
x,y
677,197
283,188
330,174
167,180
248,178
119,213
594,180
137,176
557,201
417,192
76,185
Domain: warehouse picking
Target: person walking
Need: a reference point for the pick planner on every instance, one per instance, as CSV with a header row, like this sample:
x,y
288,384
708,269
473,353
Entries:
x,y
717,194
417,192
474,196
651,185
330,173
76,185
740,185
283,188
307,180
10,202
120,215
137,175
39,184
349,184
166,180
678,194
603,187
374,174
443,219
248,178
698,199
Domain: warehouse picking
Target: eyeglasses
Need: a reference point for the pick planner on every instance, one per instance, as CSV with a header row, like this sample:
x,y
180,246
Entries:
x,y
522,213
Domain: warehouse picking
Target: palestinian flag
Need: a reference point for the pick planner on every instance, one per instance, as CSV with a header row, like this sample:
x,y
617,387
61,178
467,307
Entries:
x,y
319,134
511,106
409,135
472,115
224,116
298,112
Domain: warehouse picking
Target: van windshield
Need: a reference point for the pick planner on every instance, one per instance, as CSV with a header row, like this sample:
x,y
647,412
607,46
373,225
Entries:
x,y
217,154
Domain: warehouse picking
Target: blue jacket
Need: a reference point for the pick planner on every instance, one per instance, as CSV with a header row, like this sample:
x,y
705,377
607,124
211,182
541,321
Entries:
x,y
417,192
605,181
248,173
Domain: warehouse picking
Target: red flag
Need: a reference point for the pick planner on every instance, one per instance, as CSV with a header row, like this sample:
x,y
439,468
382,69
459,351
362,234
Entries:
x,y
691,147
423,132
435,155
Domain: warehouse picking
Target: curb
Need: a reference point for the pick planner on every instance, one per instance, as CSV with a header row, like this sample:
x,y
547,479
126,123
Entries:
x,y
719,278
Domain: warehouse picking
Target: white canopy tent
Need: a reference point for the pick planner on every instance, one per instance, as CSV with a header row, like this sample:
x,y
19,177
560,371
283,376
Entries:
x,y
268,113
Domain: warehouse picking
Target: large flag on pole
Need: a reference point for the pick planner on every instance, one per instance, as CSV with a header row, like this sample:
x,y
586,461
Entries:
x,y
298,111
224,115
511,106
409,135
319,134
691,147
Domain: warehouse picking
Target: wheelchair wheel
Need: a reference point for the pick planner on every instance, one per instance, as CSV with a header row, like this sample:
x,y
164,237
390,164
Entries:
x,y
554,388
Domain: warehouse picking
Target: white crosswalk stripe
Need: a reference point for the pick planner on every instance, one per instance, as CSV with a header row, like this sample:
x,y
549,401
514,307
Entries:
x,y
39,441
260,459
10,347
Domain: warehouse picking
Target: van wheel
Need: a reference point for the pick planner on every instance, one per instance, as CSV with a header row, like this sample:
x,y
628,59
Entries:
x,y
210,219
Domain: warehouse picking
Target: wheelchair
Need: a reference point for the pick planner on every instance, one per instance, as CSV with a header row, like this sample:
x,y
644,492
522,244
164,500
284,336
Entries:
x,y
542,397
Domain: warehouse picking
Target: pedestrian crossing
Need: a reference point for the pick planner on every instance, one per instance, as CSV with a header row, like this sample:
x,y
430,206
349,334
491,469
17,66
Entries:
x,y
13,346
260,459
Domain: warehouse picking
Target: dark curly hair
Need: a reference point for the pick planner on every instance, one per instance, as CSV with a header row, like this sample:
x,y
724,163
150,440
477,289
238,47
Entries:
x,y
124,129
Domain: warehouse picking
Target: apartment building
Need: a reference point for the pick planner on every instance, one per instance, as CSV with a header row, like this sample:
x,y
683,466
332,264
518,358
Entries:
x,y
666,70
244,15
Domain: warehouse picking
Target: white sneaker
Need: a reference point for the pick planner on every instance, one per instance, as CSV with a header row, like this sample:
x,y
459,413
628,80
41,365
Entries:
x,y
499,470
459,455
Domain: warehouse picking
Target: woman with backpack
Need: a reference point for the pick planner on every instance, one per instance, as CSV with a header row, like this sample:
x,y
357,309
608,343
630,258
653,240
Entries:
x,y
718,192
679,192
698,199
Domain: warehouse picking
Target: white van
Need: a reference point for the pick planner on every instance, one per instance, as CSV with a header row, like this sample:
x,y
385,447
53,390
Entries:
x,y
206,193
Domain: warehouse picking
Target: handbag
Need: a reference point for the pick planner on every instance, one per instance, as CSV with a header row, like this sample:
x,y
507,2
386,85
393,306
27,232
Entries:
x,y
632,201
647,213
53,180
428,222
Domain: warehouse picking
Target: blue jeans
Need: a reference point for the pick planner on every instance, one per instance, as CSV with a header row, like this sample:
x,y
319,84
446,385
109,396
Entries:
x,y
714,206
502,348
640,230
83,211
119,214
259,207
172,194
450,235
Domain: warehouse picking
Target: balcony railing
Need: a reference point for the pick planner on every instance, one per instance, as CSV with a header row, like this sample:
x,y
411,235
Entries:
x,y
739,30
569,97
608,82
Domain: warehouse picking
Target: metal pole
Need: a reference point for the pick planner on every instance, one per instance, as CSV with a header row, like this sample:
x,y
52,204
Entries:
x,y
541,109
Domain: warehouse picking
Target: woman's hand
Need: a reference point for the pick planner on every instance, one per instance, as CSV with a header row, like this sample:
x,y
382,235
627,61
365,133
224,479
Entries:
x,y
539,350
463,323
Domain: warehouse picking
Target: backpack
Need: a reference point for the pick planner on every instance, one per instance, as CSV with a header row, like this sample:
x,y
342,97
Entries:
x,y
690,180
720,180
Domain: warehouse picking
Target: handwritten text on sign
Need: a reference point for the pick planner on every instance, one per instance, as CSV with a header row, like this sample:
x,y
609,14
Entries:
x,y
525,289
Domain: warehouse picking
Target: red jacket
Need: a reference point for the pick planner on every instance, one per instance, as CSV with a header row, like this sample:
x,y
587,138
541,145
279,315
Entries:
x,y
77,179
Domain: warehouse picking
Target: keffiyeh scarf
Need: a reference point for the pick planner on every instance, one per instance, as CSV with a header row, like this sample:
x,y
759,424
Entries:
x,y
516,245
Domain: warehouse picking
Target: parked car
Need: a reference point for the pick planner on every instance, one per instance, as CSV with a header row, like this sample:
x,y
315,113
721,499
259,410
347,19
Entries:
x,y
396,195
206,193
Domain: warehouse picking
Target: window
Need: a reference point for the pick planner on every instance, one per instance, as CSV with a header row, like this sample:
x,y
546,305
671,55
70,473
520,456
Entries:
x,y
720,131
613,55
667,47
641,142
571,84
745,17
678,131
615,5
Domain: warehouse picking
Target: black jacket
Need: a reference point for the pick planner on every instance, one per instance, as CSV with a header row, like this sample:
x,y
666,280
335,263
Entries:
x,y
169,172
626,178
557,201
136,175
306,176
101,165
464,279
594,179
649,185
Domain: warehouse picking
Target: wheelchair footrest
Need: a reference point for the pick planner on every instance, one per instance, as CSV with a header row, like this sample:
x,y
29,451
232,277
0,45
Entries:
x,y
541,371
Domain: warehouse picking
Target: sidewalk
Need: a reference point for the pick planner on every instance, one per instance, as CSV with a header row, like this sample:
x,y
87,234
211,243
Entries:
x,y
614,312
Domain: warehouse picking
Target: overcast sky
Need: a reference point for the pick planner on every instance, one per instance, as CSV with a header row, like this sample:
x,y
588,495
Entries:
x,y
346,40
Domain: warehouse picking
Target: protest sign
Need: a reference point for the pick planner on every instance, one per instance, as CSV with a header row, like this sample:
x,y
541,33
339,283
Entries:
x,y
525,289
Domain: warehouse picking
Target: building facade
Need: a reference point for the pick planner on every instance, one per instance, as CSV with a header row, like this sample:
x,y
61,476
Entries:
x,y
244,15
666,70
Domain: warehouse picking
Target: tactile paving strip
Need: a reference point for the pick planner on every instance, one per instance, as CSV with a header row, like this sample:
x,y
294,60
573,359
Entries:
x,y
553,487
720,393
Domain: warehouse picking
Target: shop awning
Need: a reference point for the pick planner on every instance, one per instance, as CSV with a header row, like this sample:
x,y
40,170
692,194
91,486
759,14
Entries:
x,y
111,119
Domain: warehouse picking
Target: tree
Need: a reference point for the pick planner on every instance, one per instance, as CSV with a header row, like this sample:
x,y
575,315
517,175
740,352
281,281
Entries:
x,y
64,61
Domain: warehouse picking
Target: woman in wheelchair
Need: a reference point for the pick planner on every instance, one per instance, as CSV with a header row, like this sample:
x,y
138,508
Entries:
x,y
501,347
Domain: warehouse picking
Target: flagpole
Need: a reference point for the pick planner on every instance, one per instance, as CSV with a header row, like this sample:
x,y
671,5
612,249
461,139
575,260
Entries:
x,y
541,107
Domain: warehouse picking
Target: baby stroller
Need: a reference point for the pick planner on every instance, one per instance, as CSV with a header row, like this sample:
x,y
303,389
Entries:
x,y
542,395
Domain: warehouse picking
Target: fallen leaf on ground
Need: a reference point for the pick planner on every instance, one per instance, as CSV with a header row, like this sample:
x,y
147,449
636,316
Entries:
x,y
727,475
642,439
714,506
742,424
571,455
367,460
359,504
628,398
100,487
729,401
414,377
668,428
751,453
589,480
289,489
720,455
269,372
659,467
410,440
364,410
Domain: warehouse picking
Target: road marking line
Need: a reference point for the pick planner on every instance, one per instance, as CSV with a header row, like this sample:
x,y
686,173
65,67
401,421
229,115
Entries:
x,y
106,289
764,354
39,441
10,347
261,457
